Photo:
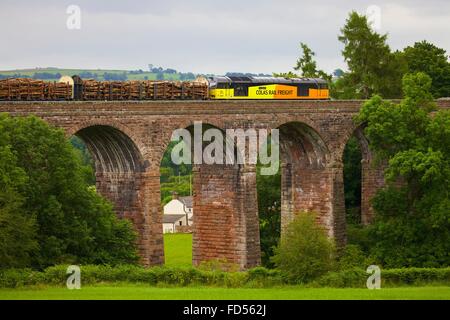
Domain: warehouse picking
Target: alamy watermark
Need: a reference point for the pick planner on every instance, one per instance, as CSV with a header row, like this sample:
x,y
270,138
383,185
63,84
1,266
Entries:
x,y
374,280
234,146
73,21
373,14
74,280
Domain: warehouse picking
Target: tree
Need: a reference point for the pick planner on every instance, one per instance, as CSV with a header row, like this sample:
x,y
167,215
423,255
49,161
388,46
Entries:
x,y
73,223
412,222
160,76
305,251
373,69
269,207
352,180
17,229
306,65
426,57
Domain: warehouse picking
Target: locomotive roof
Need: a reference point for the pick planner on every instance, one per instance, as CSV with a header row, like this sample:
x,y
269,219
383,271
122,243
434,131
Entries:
x,y
250,79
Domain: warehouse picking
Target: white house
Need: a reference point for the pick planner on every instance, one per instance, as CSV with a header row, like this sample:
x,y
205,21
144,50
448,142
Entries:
x,y
177,212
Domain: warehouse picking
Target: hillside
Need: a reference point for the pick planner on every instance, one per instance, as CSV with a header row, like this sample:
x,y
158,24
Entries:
x,y
52,74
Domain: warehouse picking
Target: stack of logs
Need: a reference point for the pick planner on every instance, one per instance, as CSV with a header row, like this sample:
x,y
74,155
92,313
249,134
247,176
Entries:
x,y
143,90
30,89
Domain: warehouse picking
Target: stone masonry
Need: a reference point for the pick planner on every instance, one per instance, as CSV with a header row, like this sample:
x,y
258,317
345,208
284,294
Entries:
x,y
128,139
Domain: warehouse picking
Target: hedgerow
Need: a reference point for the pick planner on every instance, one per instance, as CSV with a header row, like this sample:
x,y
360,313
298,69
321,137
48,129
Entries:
x,y
190,276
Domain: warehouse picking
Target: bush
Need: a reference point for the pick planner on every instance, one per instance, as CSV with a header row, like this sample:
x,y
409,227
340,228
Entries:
x,y
352,257
177,276
304,252
254,278
389,277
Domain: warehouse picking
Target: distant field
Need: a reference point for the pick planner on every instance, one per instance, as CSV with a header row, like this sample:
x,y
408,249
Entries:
x,y
178,249
141,292
99,72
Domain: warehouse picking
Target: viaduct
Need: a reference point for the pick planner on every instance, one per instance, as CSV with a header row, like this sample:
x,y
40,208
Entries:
x,y
127,140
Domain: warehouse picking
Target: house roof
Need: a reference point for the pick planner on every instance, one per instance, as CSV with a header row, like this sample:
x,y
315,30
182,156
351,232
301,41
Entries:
x,y
171,218
187,201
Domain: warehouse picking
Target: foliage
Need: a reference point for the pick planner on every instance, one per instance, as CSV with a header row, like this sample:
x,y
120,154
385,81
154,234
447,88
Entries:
x,y
373,68
189,276
72,223
412,226
176,276
426,57
389,277
305,251
269,207
17,229
351,257
352,180
85,158
306,65
174,178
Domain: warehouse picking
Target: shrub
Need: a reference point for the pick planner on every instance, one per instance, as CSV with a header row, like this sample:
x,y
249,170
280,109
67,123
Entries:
x,y
254,278
304,252
389,277
352,257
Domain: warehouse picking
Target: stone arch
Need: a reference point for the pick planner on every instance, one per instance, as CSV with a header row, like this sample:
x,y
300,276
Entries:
x,y
112,149
128,132
122,177
310,179
185,124
224,227
372,173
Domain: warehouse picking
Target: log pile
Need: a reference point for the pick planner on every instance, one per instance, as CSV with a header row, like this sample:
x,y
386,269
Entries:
x,y
30,89
143,90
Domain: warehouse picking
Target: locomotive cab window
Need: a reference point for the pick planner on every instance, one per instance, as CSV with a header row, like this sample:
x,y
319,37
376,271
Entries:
x,y
241,90
223,85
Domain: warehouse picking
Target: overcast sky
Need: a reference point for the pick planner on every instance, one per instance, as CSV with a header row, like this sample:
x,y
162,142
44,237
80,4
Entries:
x,y
202,36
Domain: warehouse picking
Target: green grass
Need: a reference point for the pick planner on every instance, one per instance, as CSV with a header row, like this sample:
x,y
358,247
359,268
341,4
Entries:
x,y
178,249
141,292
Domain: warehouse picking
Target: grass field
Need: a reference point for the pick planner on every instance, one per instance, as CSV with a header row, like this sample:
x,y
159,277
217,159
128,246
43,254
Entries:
x,y
141,292
178,249
178,252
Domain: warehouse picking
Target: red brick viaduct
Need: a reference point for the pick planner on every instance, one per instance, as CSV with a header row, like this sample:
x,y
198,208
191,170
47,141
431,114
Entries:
x,y
128,139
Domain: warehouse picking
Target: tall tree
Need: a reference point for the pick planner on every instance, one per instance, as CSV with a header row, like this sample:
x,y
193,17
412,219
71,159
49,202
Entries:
x,y
17,228
306,65
426,57
73,223
373,68
412,223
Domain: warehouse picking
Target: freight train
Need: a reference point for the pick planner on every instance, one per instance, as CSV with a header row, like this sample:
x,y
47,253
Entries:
x,y
203,88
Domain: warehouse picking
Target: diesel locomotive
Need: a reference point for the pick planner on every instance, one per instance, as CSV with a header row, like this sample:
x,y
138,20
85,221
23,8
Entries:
x,y
202,88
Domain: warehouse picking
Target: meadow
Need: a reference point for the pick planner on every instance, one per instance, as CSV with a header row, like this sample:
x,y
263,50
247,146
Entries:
x,y
178,252
142,292
178,249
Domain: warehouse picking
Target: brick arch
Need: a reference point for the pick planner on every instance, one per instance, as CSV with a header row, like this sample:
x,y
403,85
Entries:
x,y
309,179
122,176
356,130
313,125
301,143
372,173
167,134
72,130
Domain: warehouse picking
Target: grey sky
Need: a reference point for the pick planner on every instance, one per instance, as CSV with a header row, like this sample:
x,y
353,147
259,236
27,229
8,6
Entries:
x,y
201,36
